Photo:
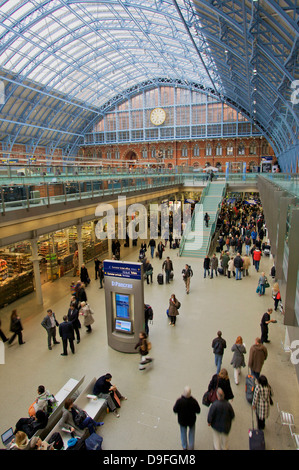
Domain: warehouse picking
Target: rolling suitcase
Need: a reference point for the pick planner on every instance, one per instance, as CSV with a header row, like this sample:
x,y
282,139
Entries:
x,y
256,438
160,279
249,387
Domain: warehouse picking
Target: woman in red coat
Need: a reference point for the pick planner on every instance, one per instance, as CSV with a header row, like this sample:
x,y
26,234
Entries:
x,y
257,254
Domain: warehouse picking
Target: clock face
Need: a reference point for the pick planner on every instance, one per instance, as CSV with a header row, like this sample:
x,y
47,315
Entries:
x,y
158,116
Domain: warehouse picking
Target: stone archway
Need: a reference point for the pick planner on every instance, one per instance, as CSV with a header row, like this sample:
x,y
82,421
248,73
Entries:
x,y
131,158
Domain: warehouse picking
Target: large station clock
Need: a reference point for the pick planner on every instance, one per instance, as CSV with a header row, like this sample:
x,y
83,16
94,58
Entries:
x,y
157,116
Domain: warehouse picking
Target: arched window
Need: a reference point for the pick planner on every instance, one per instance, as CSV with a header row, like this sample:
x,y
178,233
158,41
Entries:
x,y
208,150
169,152
144,153
229,150
184,151
153,152
265,148
196,151
252,148
219,150
241,149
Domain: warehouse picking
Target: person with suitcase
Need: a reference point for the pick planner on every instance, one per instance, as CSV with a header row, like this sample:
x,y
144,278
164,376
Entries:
x,y
262,399
168,267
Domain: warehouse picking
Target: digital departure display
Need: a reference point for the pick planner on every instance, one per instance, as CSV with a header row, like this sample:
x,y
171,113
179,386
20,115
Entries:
x,y
122,304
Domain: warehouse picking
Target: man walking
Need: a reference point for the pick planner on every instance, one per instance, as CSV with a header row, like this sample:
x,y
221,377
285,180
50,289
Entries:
x,y
50,323
238,263
187,273
168,267
66,331
206,266
218,345
73,317
187,408
152,245
257,355
220,418
214,265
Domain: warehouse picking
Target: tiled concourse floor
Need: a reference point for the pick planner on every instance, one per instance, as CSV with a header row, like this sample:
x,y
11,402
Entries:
x,y
182,355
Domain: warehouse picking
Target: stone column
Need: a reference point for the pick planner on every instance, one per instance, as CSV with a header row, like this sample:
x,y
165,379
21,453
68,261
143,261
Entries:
x,y
80,245
37,280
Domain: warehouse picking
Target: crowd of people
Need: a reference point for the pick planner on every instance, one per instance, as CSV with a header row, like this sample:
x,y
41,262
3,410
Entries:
x,y
240,245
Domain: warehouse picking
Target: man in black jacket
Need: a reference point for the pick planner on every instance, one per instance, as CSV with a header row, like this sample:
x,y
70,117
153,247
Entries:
x,y
66,331
218,345
50,323
73,317
187,407
220,418
238,263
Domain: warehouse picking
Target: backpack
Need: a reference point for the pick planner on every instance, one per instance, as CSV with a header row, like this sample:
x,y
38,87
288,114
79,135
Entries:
x,y
51,404
94,442
150,313
57,441
190,271
79,417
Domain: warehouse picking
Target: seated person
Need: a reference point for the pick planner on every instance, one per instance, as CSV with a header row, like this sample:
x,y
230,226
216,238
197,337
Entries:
x,y
37,444
20,442
75,419
44,402
104,389
33,424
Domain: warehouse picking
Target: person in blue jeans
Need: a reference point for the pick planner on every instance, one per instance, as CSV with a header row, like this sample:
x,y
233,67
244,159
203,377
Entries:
x,y
74,417
218,345
262,282
238,263
206,266
187,408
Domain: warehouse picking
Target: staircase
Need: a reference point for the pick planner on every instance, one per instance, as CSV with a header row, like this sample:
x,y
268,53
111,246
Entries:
x,y
197,238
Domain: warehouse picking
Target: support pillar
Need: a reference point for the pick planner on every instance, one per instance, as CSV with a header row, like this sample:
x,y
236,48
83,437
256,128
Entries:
x,y
80,245
37,280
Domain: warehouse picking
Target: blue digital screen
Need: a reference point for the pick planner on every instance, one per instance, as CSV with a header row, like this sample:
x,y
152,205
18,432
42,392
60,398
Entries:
x,y
123,326
122,303
120,269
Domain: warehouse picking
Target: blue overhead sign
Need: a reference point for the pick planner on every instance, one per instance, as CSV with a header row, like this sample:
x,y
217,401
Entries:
x,y
121,269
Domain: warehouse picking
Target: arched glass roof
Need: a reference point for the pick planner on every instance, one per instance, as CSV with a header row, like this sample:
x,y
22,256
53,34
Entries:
x,y
64,62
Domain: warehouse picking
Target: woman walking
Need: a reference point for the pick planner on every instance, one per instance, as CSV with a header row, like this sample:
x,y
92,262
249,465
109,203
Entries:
x,y
173,309
16,328
262,400
87,314
238,361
